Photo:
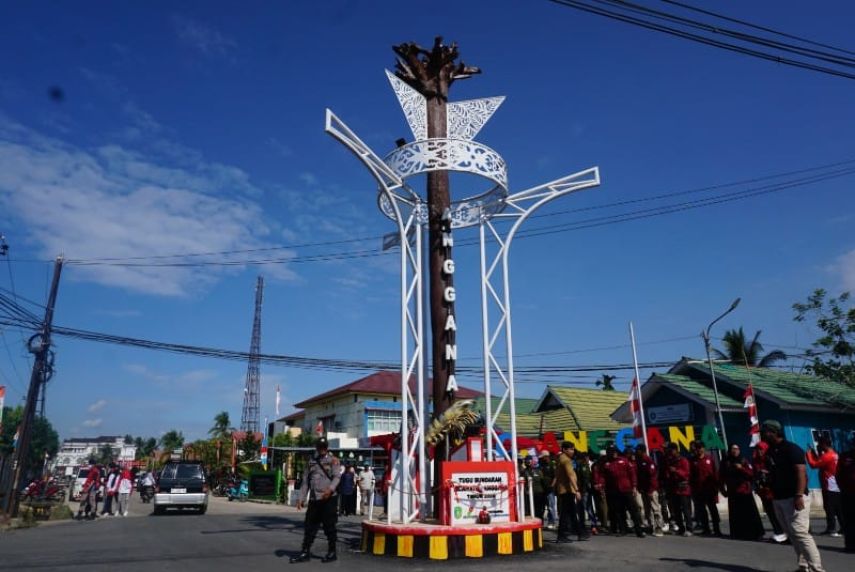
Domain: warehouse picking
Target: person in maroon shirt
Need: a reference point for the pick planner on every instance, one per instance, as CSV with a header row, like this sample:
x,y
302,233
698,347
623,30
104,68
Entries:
x,y
648,488
705,487
599,481
678,490
846,481
737,477
620,492
89,492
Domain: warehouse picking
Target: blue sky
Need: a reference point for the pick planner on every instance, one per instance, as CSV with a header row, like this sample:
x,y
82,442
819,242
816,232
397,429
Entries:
x,y
198,127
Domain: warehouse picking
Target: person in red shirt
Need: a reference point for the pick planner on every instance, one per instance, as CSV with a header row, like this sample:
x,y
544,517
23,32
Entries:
x,y
678,490
620,492
89,492
846,481
826,462
736,477
599,481
705,487
648,488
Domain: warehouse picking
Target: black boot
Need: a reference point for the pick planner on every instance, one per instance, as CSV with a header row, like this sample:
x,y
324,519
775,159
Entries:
x,y
304,556
330,557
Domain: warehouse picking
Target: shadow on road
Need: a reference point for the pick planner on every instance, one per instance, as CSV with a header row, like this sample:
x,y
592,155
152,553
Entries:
x,y
693,563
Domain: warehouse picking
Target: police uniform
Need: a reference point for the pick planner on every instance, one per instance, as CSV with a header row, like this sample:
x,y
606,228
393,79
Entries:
x,y
322,475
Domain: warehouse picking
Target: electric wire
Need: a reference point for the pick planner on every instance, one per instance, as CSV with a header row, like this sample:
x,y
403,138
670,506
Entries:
x,y
661,210
650,25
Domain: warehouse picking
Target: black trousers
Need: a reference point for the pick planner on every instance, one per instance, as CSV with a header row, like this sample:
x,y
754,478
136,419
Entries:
x,y
619,504
321,512
568,518
539,504
703,504
681,511
847,502
833,511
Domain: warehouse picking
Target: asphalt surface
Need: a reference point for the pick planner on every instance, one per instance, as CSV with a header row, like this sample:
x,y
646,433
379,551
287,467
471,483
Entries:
x,y
250,536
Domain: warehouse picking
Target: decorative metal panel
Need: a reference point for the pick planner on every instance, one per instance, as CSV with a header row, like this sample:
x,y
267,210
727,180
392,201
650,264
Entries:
x,y
466,118
414,105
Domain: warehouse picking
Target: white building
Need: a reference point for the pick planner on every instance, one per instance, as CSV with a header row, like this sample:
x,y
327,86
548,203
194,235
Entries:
x,y
77,451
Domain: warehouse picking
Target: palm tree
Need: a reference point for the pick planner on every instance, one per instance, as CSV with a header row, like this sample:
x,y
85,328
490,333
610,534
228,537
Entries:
x,y
739,351
171,440
606,382
222,426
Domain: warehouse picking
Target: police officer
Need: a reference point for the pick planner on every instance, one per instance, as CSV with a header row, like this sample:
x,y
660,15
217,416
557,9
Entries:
x,y
320,482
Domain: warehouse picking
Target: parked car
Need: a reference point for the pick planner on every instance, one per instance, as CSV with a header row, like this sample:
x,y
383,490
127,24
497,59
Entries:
x,y
76,487
182,484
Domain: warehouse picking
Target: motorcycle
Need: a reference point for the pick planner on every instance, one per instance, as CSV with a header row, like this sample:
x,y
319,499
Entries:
x,y
146,493
38,490
239,492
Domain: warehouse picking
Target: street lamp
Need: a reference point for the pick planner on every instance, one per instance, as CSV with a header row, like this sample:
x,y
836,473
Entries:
x,y
706,336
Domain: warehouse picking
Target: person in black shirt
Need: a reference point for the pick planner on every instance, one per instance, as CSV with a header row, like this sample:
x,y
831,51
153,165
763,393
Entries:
x,y
788,476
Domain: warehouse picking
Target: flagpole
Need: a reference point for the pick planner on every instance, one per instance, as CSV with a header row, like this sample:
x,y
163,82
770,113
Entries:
x,y
638,385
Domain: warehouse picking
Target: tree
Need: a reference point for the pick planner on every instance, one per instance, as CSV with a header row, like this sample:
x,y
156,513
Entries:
x,y
44,436
129,439
834,353
171,440
606,382
249,447
282,440
105,454
222,426
739,351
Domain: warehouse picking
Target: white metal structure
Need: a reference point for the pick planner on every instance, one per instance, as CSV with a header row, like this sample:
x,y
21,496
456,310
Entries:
x,y
459,153
496,296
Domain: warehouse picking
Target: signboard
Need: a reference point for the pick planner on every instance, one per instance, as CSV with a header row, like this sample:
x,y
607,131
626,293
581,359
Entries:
x,y
474,487
669,413
263,484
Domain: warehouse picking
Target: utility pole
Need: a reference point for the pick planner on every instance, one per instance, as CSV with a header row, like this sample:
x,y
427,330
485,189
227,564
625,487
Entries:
x,y
431,72
39,345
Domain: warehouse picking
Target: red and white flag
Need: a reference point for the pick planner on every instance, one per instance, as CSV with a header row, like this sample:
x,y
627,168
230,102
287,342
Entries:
x,y
635,406
751,406
319,428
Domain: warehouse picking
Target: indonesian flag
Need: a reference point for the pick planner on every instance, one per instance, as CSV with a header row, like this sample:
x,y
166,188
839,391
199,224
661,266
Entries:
x,y
278,399
635,406
319,428
2,402
751,406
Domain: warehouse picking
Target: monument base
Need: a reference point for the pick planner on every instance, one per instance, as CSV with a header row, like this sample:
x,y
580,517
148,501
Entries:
x,y
438,542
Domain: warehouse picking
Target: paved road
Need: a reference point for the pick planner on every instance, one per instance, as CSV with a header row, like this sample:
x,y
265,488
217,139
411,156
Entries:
x,y
249,536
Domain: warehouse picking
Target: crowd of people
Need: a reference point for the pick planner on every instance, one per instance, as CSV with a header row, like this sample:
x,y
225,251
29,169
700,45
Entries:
x,y
113,482
627,491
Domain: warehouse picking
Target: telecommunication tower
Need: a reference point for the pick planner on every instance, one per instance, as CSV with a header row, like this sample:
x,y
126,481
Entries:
x,y
249,419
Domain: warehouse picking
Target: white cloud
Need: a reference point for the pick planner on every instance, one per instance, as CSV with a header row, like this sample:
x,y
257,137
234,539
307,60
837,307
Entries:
x,y
846,268
203,37
188,380
112,202
93,422
97,406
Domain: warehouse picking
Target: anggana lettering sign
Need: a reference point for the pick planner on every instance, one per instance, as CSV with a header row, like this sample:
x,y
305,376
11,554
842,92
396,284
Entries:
x,y
593,441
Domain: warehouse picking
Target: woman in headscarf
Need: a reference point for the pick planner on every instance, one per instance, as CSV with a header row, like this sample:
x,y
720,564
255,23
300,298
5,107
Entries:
x,y
737,479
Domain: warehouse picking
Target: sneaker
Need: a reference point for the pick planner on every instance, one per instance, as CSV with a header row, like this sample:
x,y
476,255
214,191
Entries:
x,y
665,527
686,533
658,532
125,513
835,535
779,538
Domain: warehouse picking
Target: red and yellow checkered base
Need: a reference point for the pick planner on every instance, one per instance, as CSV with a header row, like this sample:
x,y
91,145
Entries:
x,y
436,542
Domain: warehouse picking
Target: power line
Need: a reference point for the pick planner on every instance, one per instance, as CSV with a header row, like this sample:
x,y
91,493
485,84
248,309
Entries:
x,y
650,25
755,26
816,177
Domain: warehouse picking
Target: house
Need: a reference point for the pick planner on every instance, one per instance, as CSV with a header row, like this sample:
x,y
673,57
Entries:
x,y
807,406
363,408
